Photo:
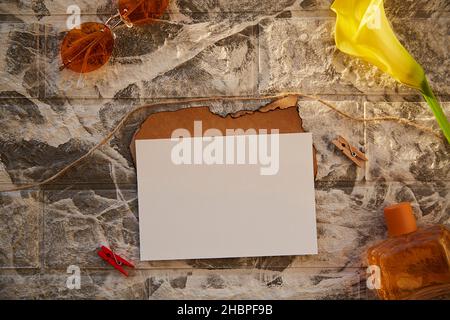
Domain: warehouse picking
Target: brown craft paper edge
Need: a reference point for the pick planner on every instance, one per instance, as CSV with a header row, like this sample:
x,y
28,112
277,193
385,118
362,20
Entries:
x,y
282,103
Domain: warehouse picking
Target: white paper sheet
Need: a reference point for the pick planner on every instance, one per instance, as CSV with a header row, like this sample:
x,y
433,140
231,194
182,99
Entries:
x,y
191,211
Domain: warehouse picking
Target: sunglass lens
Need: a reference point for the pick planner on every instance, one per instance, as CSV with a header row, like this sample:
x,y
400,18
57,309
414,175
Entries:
x,y
141,11
87,48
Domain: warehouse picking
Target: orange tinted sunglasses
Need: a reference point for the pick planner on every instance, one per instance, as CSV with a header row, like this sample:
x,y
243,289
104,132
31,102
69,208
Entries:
x,y
88,47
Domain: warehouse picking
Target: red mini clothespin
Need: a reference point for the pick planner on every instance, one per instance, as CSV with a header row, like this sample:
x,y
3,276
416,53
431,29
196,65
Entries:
x,y
113,259
351,152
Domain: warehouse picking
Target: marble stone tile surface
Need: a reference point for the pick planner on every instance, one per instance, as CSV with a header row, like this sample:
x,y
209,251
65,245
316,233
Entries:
x,y
307,59
43,8
21,221
403,153
304,283
204,48
333,167
219,52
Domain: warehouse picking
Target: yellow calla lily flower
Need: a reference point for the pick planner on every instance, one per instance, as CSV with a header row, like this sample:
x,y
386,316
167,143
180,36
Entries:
x,y
363,31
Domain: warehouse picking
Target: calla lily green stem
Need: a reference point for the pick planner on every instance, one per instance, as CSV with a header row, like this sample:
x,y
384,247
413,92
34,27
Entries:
x,y
433,102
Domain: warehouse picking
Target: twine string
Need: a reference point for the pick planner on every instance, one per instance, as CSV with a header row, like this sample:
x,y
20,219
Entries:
x,y
124,119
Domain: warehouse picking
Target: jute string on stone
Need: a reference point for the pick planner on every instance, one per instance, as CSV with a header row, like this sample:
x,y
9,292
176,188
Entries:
x,y
123,120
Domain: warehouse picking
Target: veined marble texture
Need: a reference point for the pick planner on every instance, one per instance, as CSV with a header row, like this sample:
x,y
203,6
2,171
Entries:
x,y
205,48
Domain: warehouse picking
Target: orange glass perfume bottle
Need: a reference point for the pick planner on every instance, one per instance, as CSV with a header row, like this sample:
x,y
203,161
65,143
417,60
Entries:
x,y
413,263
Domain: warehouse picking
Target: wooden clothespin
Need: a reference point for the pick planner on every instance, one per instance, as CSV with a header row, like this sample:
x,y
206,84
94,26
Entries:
x,y
351,152
114,259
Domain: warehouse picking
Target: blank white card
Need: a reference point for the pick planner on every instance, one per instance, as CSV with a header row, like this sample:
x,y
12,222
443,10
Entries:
x,y
204,199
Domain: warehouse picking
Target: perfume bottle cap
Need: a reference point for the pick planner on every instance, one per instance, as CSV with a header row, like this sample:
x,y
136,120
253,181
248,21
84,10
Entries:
x,y
400,219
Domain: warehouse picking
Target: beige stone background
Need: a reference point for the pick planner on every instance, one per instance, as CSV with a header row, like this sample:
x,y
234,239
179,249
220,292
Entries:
x,y
205,48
